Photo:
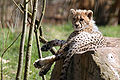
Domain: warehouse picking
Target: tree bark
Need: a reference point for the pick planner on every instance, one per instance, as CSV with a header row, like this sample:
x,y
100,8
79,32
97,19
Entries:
x,y
30,39
114,13
104,64
21,52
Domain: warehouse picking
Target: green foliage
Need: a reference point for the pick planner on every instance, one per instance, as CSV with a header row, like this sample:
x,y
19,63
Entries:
x,y
50,32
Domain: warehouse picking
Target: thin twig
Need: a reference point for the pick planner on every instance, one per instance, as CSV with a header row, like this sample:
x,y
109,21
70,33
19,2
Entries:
x,y
10,45
42,15
5,52
37,41
1,70
41,18
21,8
29,14
18,6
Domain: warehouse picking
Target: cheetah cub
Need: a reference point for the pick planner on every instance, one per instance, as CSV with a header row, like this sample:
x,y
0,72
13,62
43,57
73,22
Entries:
x,y
85,37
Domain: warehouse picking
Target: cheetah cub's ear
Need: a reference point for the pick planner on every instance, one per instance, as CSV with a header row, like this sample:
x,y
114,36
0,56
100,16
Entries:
x,y
72,11
89,13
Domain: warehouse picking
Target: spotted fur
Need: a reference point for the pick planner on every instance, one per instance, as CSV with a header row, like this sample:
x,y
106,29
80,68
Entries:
x,y
85,37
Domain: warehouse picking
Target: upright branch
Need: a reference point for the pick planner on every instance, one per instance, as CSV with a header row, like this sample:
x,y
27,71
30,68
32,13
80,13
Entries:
x,y
41,39
38,26
30,39
21,51
39,32
37,41
41,17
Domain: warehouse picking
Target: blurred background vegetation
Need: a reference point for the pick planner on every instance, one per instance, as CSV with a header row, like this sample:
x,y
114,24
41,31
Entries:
x,y
57,11
56,25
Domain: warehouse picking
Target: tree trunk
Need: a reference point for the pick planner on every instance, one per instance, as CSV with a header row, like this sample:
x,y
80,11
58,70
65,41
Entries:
x,y
114,13
104,64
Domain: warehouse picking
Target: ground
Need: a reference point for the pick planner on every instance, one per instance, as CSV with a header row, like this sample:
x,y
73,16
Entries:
x,y
50,32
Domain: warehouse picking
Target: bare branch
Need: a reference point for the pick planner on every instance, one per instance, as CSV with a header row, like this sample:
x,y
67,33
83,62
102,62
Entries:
x,y
39,32
30,39
21,52
42,40
41,17
17,6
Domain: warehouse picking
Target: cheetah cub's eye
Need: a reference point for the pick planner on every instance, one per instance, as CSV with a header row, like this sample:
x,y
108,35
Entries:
x,y
81,19
73,19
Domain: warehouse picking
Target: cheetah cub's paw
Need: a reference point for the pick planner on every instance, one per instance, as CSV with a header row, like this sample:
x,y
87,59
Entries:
x,y
39,63
44,61
46,47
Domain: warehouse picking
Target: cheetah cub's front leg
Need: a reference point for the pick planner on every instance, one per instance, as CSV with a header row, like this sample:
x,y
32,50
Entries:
x,y
44,61
48,60
52,43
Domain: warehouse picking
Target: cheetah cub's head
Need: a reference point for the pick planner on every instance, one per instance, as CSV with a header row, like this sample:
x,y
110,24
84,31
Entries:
x,y
81,18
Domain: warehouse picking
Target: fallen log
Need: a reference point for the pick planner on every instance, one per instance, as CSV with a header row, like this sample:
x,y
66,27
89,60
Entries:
x,y
104,64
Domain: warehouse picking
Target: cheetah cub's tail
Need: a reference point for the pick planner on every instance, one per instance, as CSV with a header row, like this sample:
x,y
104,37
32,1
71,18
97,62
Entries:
x,y
63,75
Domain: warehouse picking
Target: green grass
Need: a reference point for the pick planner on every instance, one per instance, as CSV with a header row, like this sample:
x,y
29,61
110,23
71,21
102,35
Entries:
x,y
50,32
110,31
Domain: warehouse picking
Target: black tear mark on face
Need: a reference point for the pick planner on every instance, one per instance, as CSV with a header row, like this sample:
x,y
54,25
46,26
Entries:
x,y
81,19
76,25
